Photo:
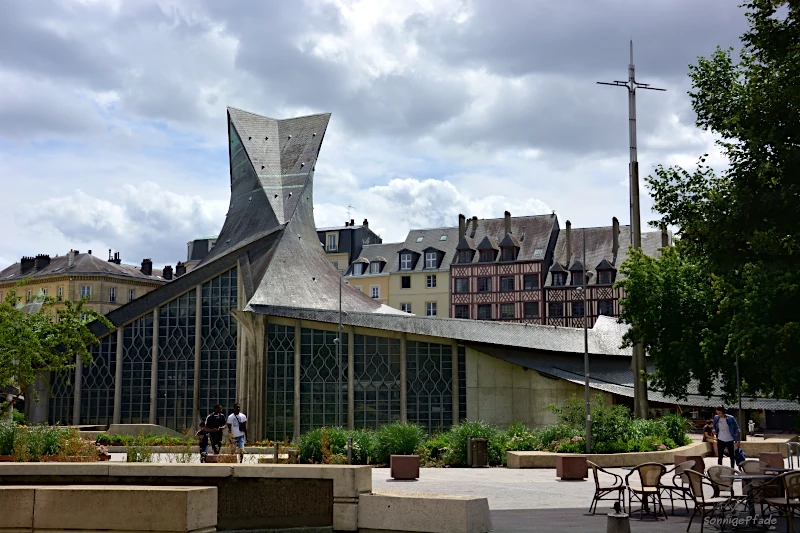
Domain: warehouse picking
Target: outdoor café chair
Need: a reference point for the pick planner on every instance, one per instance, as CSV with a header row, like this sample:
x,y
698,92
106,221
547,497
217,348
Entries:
x,y
705,505
721,484
678,487
602,492
789,503
650,475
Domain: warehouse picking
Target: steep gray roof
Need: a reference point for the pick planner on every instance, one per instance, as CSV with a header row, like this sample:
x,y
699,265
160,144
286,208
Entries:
x,y
599,247
431,238
531,233
85,264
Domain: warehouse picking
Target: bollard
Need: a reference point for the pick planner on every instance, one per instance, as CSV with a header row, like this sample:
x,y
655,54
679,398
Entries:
x,y
469,451
349,450
618,523
275,455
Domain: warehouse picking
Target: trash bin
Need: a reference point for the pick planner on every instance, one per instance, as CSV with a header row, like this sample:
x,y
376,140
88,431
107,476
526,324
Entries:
x,y
480,452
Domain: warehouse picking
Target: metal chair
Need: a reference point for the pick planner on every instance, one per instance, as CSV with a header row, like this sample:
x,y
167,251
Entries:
x,y
650,475
602,491
721,484
705,505
678,488
789,503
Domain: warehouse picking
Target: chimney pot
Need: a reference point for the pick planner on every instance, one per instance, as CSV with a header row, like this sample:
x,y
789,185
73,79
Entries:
x,y
508,223
147,267
569,243
462,226
180,269
167,272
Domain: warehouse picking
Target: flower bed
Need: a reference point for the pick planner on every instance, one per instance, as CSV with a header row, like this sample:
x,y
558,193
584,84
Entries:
x,y
44,443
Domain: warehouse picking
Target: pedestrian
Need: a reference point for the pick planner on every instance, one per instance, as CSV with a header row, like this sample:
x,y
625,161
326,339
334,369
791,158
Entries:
x,y
237,428
215,423
202,434
727,431
710,436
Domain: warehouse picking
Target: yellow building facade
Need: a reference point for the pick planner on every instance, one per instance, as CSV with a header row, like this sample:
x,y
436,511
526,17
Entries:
x,y
107,285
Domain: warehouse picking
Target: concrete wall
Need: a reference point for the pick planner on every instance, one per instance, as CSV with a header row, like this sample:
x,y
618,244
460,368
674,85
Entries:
x,y
419,293
501,393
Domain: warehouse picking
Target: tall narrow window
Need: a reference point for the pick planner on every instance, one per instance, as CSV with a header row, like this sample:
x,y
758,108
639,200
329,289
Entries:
x,y
86,291
131,295
430,308
431,260
375,291
331,242
60,293
28,295
44,291
112,294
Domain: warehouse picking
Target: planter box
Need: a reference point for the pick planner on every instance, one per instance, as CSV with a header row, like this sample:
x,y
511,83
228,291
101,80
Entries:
x,y
699,464
773,459
222,458
404,466
572,467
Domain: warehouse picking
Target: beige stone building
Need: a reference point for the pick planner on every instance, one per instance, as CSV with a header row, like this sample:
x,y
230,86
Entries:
x,y
420,273
107,284
370,273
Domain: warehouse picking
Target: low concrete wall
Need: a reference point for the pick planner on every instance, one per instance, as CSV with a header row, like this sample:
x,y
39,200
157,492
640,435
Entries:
x,y
249,496
753,447
111,509
401,511
606,460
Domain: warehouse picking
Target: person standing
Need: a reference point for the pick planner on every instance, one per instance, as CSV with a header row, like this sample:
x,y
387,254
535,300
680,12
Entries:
x,y
215,423
727,431
237,428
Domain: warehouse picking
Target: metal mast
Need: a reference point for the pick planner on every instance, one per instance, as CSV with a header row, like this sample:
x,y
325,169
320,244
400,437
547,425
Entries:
x,y
639,362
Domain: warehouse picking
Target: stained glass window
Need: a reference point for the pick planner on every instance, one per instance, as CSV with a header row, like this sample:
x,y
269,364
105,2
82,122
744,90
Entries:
x,y
176,321
280,382
218,348
376,381
97,388
62,389
429,385
137,362
322,385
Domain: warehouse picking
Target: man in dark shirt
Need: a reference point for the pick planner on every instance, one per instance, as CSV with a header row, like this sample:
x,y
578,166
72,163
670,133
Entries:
x,y
215,422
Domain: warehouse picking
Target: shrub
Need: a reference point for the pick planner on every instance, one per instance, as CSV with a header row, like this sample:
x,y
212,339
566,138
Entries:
x,y
576,444
458,435
435,452
73,447
518,437
363,446
104,439
139,450
18,417
320,445
677,428
7,434
398,438
548,438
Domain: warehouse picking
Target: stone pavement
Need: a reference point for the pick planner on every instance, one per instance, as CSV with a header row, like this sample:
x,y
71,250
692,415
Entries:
x,y
534,500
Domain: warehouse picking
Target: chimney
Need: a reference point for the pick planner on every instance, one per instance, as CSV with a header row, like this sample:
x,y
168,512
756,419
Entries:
x,y
147,267
167,272
352,222
366,223
180,269
110,257
664,236
90,252
614,238
42,260
117,259
508,223
26,264
71,258
474,225
462,226
569,244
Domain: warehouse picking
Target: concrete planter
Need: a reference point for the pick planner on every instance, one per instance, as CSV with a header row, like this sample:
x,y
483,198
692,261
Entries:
x,y
404,467
572,467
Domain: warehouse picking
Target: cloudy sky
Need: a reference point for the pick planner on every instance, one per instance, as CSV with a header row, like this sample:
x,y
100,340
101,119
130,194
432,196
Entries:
x,y
112,113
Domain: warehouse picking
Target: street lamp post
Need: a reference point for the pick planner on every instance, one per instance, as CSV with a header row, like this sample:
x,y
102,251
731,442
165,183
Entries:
x,y
586,274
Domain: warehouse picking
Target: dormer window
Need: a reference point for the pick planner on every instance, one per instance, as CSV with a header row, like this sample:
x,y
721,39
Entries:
x,y
465,256
487,256
559,279
405,261
375,267
509,254
331,242
358,269
431,260
605,277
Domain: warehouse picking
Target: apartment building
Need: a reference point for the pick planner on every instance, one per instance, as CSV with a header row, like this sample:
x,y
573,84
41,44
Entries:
x,y
371,272
419,281
343,244
499,267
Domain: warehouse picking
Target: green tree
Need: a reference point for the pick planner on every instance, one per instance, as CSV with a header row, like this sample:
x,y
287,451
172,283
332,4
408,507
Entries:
x,y
42,339
736,273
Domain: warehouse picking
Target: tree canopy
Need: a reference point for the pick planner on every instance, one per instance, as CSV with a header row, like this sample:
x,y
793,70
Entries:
x,y
41,340
731,285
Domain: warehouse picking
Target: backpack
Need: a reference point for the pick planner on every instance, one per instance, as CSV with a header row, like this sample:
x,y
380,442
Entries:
x,y
739,456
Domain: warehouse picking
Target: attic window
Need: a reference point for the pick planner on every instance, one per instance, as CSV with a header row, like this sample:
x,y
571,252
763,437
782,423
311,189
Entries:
x,y
443,238
375,267
509,254
419,239
559,279
538,253
605,277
